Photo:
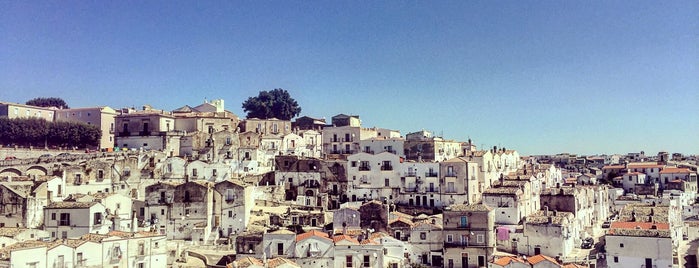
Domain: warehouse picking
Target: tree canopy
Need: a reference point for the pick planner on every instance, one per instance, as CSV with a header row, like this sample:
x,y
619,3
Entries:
x,y
48,102
39,132
276,103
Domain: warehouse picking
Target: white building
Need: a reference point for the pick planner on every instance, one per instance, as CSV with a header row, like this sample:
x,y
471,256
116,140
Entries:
x,y
639,244
73,219
373,176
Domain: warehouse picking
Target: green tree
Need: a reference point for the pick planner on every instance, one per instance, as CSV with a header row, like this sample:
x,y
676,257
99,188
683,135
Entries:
x,y
48,102
276,103
38,132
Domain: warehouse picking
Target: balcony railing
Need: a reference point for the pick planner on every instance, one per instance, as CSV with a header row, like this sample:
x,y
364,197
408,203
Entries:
x,y
364,168
456,244
410,174
124,133
450,191
451,174
386,167
144,133
431,174
410,189
432,189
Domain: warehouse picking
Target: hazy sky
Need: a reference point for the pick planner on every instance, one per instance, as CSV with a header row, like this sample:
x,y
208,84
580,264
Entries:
x,y
537,76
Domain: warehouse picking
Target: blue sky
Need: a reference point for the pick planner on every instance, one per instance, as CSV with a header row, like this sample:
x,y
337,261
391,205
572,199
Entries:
x,y
537,76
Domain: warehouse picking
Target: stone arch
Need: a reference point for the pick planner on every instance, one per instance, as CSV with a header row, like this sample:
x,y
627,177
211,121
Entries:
x,y
37,170
10,172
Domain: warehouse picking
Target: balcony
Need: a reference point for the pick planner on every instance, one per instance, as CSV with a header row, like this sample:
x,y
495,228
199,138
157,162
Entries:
x,y
412,189
410,174
431,174
456,244
124,133
386,167
369,151
364,168
432,189
451,174
450,191
144,133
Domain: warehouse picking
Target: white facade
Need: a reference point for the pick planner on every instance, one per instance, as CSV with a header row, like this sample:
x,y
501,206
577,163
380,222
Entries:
x,y
372,176
638,251
383,144
73,219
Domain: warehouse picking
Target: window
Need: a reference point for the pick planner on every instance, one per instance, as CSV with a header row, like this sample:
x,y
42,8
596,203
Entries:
x,y
450,238
386,182
616,258
53,216
348,261
280,249
141,249
366,262
230,214
100,174
480,238
464,222
621,245
194,172
423,236
64,234
116,252
97,218
214,173
65,219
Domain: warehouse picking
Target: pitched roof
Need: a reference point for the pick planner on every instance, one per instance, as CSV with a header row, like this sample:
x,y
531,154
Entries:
x,y
11,231
312,233
282,231
339,238
244,262
472,207
507,260
539,258
278,261
403,220
65,205
673,170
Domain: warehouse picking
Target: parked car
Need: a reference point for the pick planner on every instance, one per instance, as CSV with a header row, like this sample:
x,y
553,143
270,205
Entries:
x,y
9,157
587,243
606,224
63,155
45,156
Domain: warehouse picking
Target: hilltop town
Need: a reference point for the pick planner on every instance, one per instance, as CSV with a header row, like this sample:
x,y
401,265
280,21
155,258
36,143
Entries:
x,y
198,186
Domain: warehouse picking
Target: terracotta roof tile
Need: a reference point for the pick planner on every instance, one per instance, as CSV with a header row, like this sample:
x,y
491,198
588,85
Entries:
x,y
539,258
276,262
312,233
339,238
507,260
